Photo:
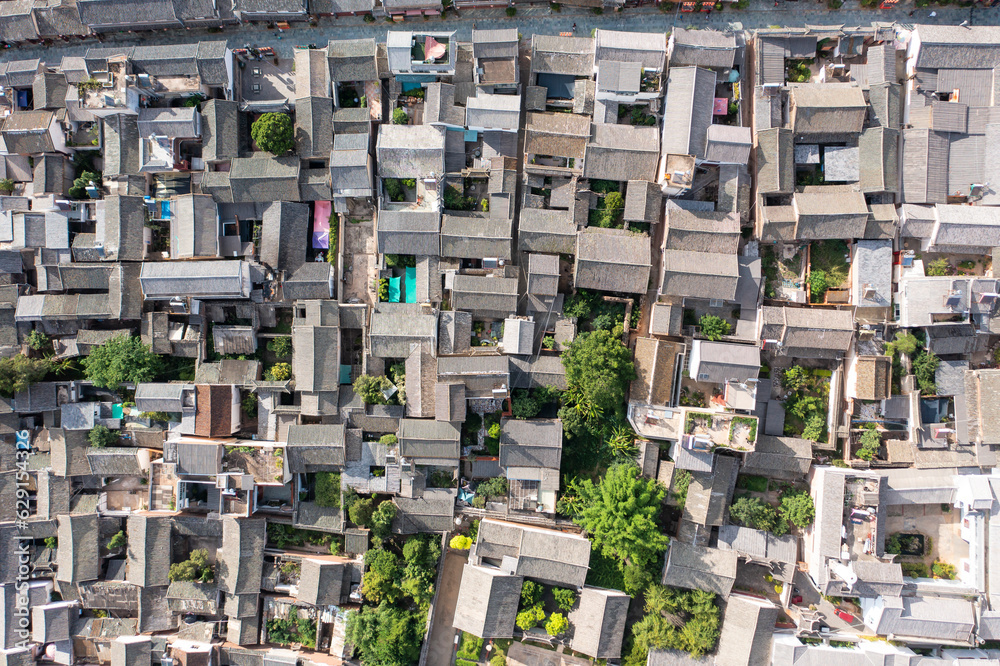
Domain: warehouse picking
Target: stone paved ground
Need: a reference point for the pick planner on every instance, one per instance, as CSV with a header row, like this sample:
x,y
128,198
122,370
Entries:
x,y
537,18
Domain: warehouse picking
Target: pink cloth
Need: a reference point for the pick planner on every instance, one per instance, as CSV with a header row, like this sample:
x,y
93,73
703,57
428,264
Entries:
x,y
321,216
433,49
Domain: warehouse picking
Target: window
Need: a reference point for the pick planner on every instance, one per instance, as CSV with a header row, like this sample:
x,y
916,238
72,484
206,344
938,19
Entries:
x,y
715,303
300,313
702,376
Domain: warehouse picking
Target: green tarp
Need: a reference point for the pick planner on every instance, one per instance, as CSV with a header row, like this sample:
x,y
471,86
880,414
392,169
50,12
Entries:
x,y
345,374
411,285
394,290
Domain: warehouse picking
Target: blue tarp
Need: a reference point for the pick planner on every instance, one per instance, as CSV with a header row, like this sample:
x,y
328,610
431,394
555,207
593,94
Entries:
x,y
411,285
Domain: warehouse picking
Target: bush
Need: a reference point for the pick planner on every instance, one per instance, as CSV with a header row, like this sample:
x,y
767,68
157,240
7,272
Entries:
x,y
818,285
51,542
495,487
531,593
523,405
939,267
943,570
914,569
498,660
279,372
529,618
797,508
399,117
328,489
195,568
754,512
388,439
6,185
38,341
564,598
903,343
274,133
281,347
79,188
925,369
470,647
713,327
100,436
511,11
360,512
870,441
814,428
460,542
250,405
369,18
370,389
557,624
494,431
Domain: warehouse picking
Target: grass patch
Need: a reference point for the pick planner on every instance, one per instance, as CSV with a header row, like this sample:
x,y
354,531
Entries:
x,y
470,647
757,484
604,572
829,257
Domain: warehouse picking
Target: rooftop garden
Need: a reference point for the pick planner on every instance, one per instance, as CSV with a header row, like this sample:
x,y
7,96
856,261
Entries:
x,y
807,393
780,272
629,114
609,207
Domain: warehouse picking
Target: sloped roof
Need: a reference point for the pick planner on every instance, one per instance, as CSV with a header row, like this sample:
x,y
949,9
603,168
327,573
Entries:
x,y
78,555
242,562
700,568
599,622
284,235
747,626
598,249
827,109
622,152
487,602
220,130
687,111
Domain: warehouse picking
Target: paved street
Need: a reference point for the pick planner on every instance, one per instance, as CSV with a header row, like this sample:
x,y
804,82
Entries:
x,y
531,19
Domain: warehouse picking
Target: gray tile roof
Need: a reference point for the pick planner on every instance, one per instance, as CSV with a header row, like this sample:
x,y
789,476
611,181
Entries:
x,y
410,151
599,622
485,295
925,166
148,550
700,568
409,232
429,442
573,56
433,511
285,235
711,275
550,231
531,443
747,626
779,456
826,213
943,46
205,279
727,144
687,111
314,127
315,448
242,563
321,582
395,328
220,130
78,555
487,602
554,558
264,177
121,145
352,60
597,249
476,235
702,48
194,227
827,109
622,152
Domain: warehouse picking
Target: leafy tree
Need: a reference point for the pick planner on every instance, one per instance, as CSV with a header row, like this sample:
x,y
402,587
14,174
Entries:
x,y
281,346
38,341
79,188
564,598
870,441
6,185
119,540
636,578
498,660
399,117
386,635
195,568
797,508
496,487
529,617
925,369
327,489
794,378
274,133
388,439
249,404
382,519
279,372
939,267
755,513
620,515
557,624
19,372
903,343
531,593
100,436
599,368
418,584
380,580
370,389
621,443
524,406
121,359
815,425
460,542
713,327
360,512
818,284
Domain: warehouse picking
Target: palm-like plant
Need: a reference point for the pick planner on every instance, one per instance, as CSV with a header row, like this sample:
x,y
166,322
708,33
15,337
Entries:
x,y
621,443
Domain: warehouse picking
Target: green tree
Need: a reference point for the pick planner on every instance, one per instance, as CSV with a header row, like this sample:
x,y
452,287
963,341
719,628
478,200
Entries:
x,y
38,341
903,343
327,490
460,542
713,327
274,133
399,117
498,660
51,542
531,593
360,512
370,389
195,568
79,188
621,443
794,378
814,428
418,584
871,442
121,359
529,617
281,346
382,519
385,635
557,624
939,267
620,515
818,284
636,578
19,372
599,368
380,581
100,436
755,513
119,540
797,508
6,185
565,598
925,369
524,406
279,372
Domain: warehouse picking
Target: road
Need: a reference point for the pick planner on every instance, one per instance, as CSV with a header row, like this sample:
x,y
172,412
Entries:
x,y
530,20
441,642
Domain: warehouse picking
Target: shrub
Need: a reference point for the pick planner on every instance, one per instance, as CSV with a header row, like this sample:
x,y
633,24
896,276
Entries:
x,y
870,441
6,185
939,267
38,341
399,117
250,405
531,593
51,543
814,428
119,540
195,568
713,327
370,388
369,18
943,570
818,284
925,369
498,660
470,647
274,133
394,189
914,569
529,618
557,624
564,598
460,542
495,487
79,188
281,347
360,512
549,342
328,489
279,372
100,436
903,343
523,405
754,512
494,431
511,11
797,508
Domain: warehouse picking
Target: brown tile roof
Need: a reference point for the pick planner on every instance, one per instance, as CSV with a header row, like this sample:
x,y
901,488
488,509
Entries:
x,y
213,417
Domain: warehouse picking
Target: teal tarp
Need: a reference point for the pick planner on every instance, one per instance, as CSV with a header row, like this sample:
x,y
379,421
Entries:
x,y
345,374
411,285
394,290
